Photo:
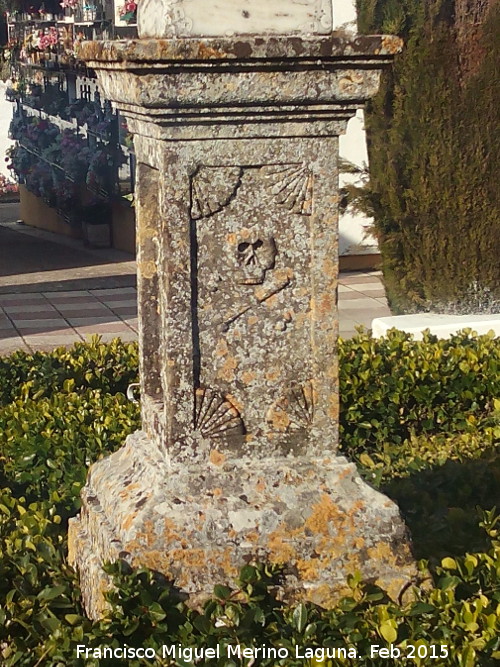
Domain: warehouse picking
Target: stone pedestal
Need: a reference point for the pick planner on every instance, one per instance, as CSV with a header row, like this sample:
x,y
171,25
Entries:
x,y
237,189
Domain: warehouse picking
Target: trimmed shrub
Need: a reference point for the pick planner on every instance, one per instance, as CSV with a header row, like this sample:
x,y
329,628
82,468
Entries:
x,y
91,365
394,387
436,461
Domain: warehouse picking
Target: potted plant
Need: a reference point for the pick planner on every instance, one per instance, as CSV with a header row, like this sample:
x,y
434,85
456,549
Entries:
x,y
9,190
96,227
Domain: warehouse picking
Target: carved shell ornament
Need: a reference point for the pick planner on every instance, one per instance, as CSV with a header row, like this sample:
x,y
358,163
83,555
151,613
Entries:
x,y
215,415
294,409
291,185
212,188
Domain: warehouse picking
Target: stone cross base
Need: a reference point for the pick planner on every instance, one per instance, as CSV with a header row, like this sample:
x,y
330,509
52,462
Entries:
x,y
198,527
236,143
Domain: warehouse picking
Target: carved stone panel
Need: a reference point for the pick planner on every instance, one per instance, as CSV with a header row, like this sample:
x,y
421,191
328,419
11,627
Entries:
x,y
190,18
251,259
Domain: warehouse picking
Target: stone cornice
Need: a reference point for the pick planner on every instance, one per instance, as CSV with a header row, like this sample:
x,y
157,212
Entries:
x,y
374,50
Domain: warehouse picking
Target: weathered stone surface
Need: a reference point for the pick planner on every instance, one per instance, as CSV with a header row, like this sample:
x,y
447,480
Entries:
x,y
237,197
200,524
188,18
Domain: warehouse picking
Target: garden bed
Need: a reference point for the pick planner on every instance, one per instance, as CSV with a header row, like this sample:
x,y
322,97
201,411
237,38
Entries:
x,y
421,420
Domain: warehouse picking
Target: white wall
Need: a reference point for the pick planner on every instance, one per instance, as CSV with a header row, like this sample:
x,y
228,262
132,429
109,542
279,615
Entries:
x,y
353,226
5,118
353,236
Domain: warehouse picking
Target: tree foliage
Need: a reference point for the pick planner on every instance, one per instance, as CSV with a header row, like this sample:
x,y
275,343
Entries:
x,y
434,150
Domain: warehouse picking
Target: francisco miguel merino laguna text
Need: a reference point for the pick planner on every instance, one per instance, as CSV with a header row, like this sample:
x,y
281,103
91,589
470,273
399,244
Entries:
x,y
192,654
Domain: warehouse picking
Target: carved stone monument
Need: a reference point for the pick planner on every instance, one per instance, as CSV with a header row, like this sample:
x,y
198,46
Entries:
x,y
236,110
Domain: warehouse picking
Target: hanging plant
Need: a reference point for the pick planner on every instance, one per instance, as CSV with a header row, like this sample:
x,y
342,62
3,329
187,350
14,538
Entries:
x,y
128,12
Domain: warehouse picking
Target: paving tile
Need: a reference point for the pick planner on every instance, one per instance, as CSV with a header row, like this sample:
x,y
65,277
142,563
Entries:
x,y
89,314
45,331
6,334
368,287
37,308
42,339
19,300
70,300
9,296
46,314
360,280
5,322
117,303
116,291
102,327
71,293
49,319
95,320
9,347
347,323
130,311
39,323
363,304
133,323
374,294
352,295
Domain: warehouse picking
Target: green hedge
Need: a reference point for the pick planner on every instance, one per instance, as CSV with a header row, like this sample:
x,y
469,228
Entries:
x,y
434,449
394,387
92,365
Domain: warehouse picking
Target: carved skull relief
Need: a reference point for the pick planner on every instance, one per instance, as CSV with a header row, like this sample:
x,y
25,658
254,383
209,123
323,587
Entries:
x,y
253,258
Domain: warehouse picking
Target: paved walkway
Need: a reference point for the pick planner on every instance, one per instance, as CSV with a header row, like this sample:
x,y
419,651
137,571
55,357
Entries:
x,y
55,292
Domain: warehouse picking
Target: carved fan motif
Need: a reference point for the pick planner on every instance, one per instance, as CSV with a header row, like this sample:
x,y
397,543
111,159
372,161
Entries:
x,y
212,188
294,409
291,186
215,415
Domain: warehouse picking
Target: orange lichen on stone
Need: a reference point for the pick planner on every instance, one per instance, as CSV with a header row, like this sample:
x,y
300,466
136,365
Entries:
x,y
261,485
327,303
309,569
271,301
216,457
247,377
226,372
234,401
277,419
329,267
252,536
383,552
206,52
333,407
128,490
325,595
188,561
221,349
147,269
323,514
127,523
280,549
272,375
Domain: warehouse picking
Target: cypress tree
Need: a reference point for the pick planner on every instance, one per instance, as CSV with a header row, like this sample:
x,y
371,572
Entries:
x,y
433,139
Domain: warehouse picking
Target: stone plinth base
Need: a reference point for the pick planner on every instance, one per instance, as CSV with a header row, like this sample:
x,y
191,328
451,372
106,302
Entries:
x,y
200,526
